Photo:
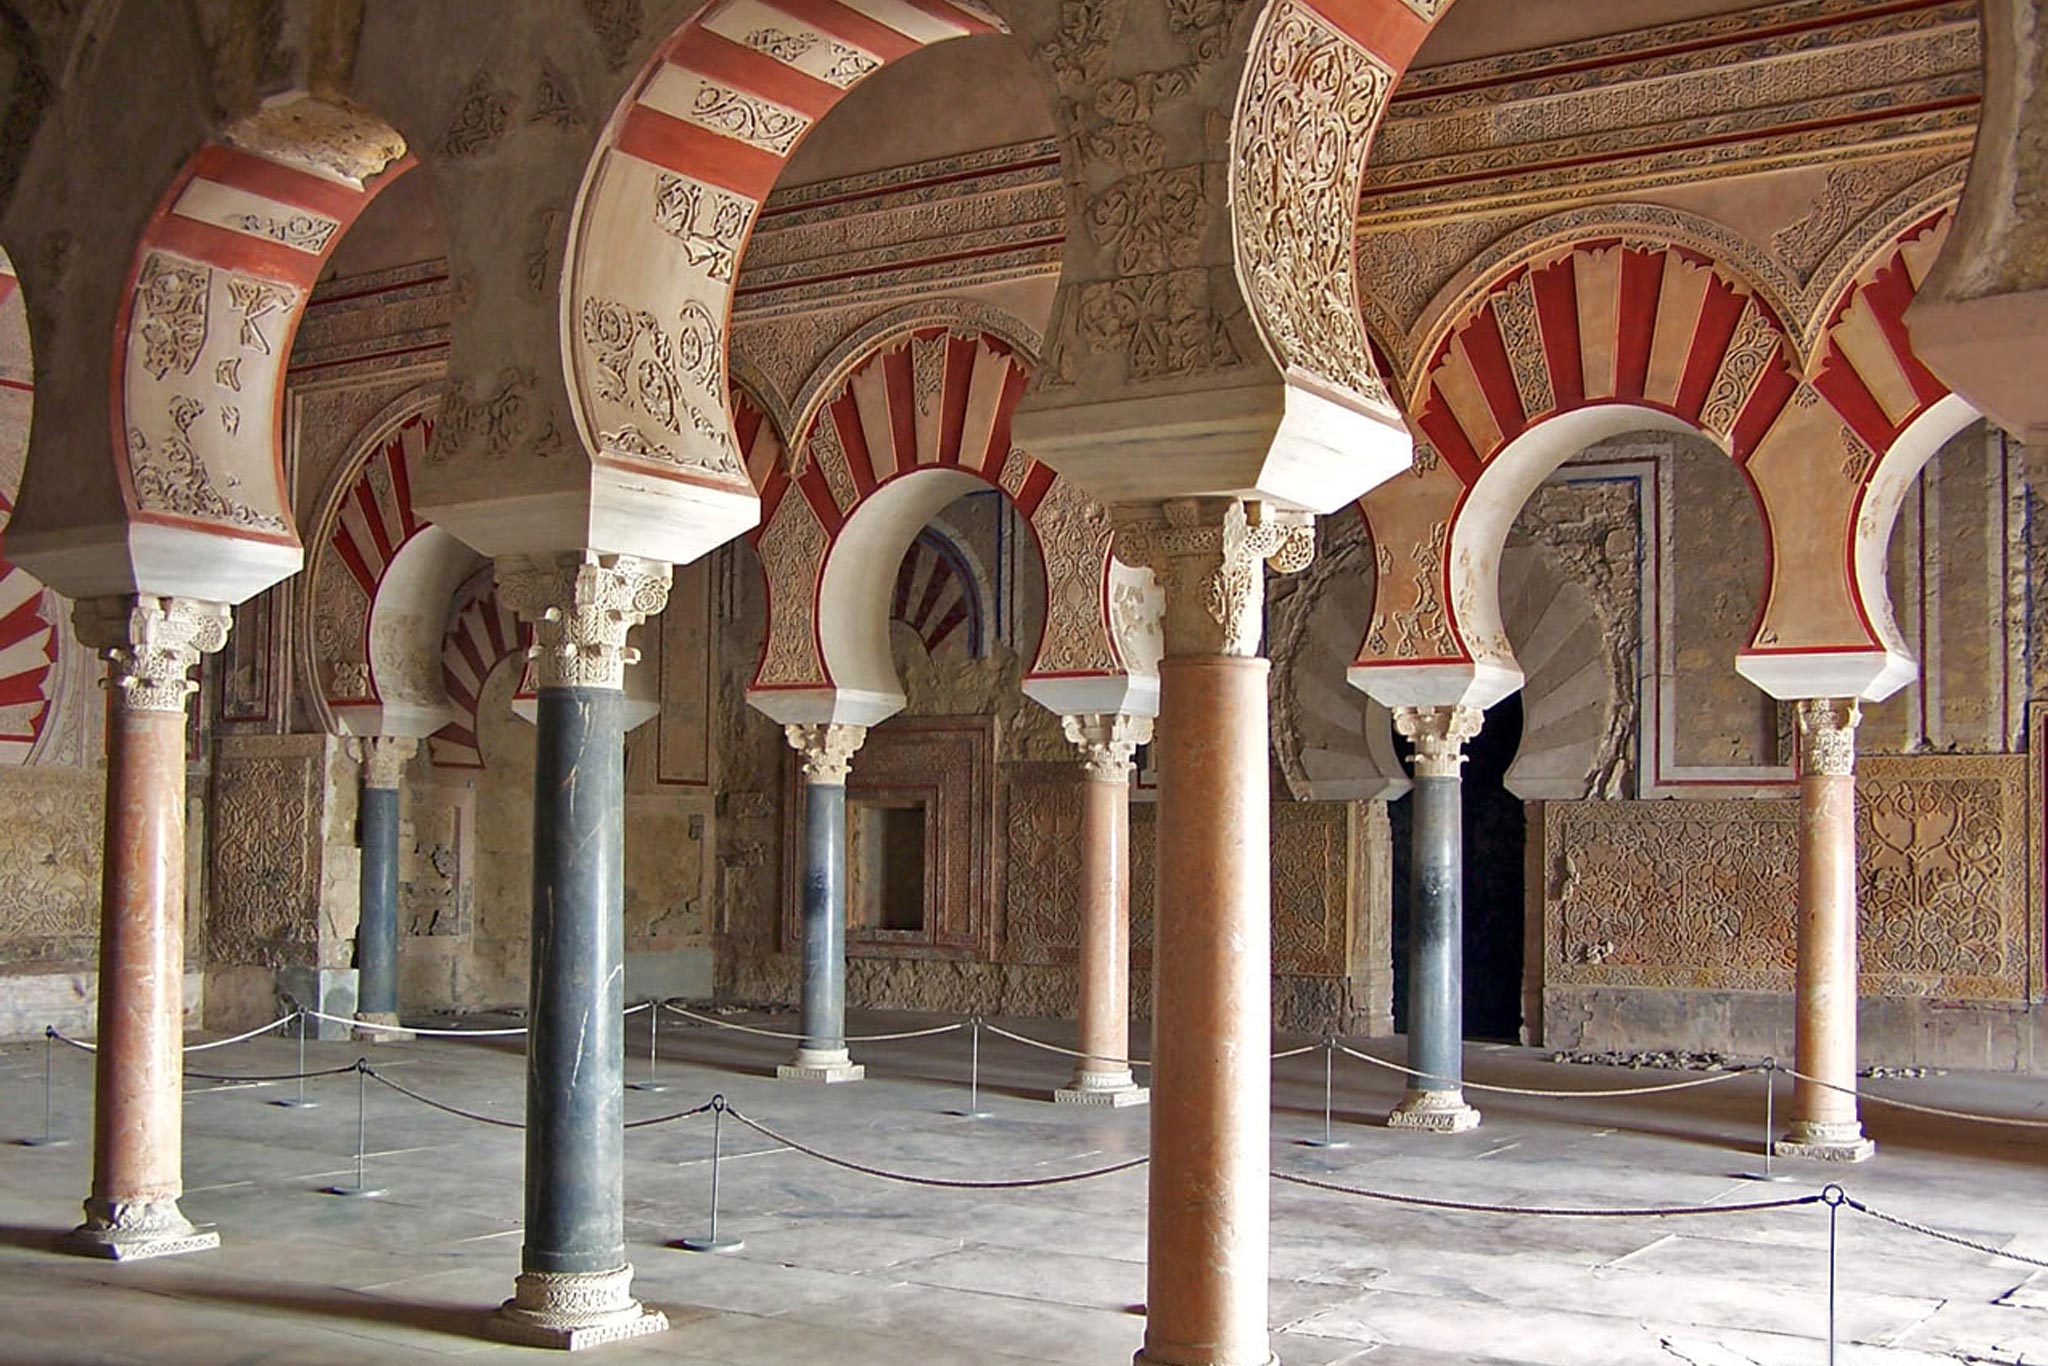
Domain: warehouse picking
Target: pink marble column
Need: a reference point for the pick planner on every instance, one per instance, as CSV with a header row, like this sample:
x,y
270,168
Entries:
x,y
1824,1122
1207,1240
150,645
1103,1076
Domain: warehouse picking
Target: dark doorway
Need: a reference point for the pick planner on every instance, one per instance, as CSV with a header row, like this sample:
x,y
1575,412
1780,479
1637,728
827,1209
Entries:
x,y
1496,837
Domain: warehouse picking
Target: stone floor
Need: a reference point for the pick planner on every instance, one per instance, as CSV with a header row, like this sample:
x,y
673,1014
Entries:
x,y
848,1270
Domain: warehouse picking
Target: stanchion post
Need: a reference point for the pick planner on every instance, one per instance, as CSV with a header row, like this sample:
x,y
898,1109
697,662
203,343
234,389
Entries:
x,y
361,1189
652,1084
1770,1070
49,1138
973,1110
1327,1140
714,1243
299,1101
1832,1196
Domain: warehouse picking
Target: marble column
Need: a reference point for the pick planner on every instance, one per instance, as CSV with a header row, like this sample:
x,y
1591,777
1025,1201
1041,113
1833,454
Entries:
x,y
1824,1122
1436,921
150,645
1206,1220
384,758
827,752
1106,742
575,1285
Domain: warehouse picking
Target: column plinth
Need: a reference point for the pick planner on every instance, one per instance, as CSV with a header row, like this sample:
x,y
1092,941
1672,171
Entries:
x,y
574,1287
150,645
822,1057
383,760
1206,1220
1824,1122
1103,1076
1435,1102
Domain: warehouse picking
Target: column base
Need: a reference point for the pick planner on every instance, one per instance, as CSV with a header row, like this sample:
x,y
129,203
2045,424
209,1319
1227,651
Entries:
x,y
1831,1142
571,1310
1437,1112
822,1067
1109,1090
380,1026
123,1232
1142,1359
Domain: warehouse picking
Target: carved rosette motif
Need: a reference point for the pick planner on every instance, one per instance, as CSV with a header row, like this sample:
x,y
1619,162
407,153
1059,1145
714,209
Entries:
x,y
383,759
151,645
582,606
1305,117
1107,741
1827,736
1206,554
1439,734
827,751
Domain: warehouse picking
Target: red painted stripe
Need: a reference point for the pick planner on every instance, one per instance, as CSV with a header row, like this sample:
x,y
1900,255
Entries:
x,y
1488,352
1642,275
698,153
1386,28
1557,314
746,420
8,285
492,617
1720,313
818,494
772,489
273,180
901,393
974,23
841,22
1036,485
23,688
231,250
373,518
23,622
459,735
479,663
1441,427
944,630
18,385
1843,387
999,438
959,353
708,54
352,556
844,415
401,471
1890,293
457,691
941,577
1774,389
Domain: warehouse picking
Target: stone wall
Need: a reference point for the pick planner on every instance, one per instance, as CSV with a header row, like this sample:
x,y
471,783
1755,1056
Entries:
x,y
1671,924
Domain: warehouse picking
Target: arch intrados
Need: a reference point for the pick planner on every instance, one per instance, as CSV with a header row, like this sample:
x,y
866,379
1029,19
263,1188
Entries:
x,y
881,335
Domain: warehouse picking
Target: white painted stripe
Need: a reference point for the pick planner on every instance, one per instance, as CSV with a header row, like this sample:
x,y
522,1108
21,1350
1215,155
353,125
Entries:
x,y
791,41
253,215
25,655
909,20
724,109
17,586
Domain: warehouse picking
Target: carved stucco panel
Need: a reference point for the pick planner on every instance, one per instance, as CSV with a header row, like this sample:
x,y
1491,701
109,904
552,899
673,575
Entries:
x,y
792,552
266,838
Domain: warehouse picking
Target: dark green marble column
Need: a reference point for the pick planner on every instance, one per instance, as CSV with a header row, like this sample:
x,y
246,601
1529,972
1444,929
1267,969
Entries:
x,y
822,1056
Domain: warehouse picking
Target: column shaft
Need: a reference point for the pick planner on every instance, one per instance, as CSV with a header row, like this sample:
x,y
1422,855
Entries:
x,y
1206,1266
377,924
824,925
1436,936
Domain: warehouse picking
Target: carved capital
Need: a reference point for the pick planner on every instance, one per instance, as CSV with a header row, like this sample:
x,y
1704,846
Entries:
x,y
383,759
1439,734
581,606
1107,741
1827,735
827,750
150,645
1206,554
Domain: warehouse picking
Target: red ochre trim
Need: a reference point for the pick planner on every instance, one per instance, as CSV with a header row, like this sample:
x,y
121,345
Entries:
x,y
1772,391
1720,314
1557,316
722,60
699,153
1642,282
901,396
837,20
1441,426
1842,385
1386,28
274,180
227,249
1487,350
999,434
1036,485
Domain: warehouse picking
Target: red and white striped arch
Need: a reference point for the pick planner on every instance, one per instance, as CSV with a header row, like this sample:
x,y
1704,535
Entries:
x,y
28,611
1604,335
372,520
937,597
482,634
914,422
219,282
664,215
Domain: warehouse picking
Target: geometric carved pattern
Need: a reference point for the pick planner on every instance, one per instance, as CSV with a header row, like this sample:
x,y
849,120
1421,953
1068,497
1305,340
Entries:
x,y
1043,903
264,829
1702,894
1311,853
50,864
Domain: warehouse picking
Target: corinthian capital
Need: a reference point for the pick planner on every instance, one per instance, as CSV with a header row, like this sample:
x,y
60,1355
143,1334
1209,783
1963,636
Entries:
x,y
384,758
150,645
827,750
1207,555
1439,734
581,606
1827,735
1107,741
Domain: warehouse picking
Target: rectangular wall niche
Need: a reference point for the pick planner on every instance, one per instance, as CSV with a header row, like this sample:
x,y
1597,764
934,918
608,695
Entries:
x,y
921,812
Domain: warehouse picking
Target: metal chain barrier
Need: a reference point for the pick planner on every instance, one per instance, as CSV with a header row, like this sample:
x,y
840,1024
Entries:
x,y
52,1032
1941,1235
1969,1116
912,1179
1713,1079
717,1023
1546,1211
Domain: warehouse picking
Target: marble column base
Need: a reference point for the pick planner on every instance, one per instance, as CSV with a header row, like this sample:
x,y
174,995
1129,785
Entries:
x,y
131,1232
1438,1112
380,1026
570,1310
1109,1090
821,1066
1140,1358
1840,1142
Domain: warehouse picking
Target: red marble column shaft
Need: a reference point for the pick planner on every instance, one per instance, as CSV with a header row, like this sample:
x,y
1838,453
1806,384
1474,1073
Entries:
x,y
138,1091
1105,967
